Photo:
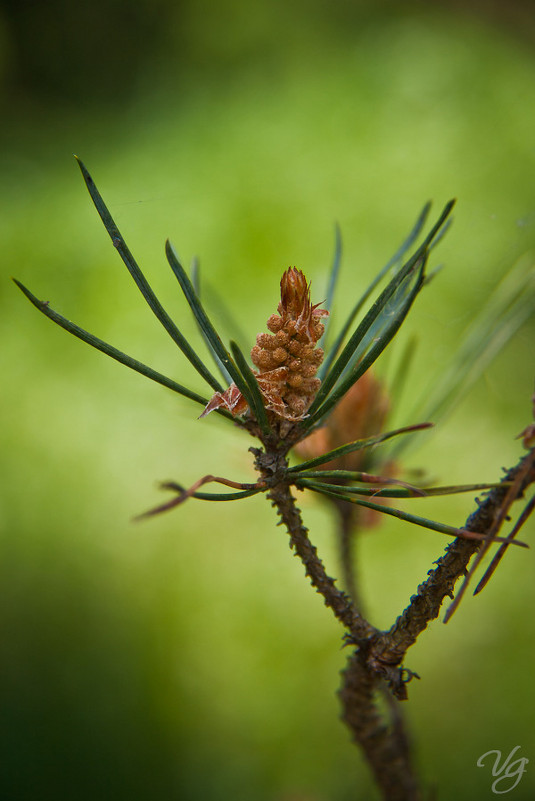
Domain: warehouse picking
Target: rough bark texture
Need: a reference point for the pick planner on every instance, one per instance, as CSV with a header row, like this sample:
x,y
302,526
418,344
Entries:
x,y
384,746
376,660
340,603
425,605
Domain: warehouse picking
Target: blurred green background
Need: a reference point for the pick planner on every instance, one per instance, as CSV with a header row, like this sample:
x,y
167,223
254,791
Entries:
x,y
187,657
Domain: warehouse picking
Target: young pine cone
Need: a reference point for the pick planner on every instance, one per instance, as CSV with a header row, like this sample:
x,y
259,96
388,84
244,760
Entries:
x,y
287,359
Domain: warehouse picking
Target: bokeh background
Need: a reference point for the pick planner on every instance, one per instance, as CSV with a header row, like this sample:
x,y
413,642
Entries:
x,y
187,657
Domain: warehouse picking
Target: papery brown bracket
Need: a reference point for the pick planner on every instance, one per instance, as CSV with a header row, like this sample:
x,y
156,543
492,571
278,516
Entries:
x,y
295,304
231,399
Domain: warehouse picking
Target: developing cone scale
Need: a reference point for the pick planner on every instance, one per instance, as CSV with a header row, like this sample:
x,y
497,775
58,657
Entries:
x,y
287,359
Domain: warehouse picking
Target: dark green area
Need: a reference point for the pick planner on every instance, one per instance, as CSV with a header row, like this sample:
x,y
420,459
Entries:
x,y
186,657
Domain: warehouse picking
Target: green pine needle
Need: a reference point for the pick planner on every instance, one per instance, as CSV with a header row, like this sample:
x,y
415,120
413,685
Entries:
x,y
109,350
142,283
204,322
442,528
357,445
257,406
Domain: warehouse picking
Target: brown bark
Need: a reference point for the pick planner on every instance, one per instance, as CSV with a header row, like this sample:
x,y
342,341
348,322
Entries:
x,y
376,661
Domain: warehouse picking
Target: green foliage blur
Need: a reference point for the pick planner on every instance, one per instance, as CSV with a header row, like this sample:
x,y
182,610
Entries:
x,y
187,657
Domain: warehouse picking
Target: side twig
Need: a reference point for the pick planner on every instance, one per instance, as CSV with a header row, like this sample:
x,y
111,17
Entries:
x,y
376,662
425,605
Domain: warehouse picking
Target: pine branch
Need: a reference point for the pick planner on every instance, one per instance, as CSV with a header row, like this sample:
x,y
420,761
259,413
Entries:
x,y
272,467
385,747
424,606
376,662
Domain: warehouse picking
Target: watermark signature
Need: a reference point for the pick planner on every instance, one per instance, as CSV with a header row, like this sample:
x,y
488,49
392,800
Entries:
x,y
505,772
